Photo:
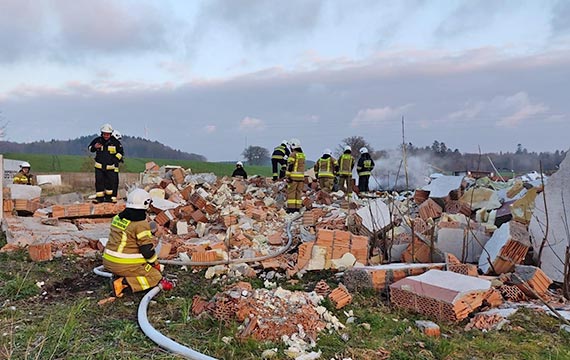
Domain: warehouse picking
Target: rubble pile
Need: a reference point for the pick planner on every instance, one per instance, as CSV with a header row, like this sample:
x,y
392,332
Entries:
x,y
269,314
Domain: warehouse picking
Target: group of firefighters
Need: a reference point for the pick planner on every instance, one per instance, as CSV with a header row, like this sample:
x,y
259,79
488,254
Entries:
x,y
288,161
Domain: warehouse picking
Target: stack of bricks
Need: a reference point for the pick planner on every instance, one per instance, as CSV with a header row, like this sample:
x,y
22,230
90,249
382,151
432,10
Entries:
x,y
309,218
429,209
29,206
338,242
86,210
340,297
432,297
528,278
383,276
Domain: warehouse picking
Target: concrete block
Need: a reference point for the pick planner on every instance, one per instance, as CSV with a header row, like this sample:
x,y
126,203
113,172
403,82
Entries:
x,y
441,186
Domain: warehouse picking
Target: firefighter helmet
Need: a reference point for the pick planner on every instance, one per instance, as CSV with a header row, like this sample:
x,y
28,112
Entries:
x,y
347,148
107,128
117,135
327,152
138,199
239,163
295,143
363,150
285,142
25,164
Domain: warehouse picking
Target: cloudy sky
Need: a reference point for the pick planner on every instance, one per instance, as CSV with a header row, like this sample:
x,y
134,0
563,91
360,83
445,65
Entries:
x,y
210,77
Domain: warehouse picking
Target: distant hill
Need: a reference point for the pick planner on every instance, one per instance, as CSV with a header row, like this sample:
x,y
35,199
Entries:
x,y
134,147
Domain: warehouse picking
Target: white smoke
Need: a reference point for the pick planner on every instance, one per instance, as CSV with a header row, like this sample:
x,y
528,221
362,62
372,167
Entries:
x,y
390,172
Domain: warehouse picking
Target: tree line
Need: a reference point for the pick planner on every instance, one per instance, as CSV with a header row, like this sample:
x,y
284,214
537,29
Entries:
x,y
134,147
440,156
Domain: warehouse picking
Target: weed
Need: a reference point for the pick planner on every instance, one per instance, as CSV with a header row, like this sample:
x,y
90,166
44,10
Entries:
x,y
18,288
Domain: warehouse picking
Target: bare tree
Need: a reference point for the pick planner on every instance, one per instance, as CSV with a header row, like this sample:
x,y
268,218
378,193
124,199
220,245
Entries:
x,y
256,155
355,143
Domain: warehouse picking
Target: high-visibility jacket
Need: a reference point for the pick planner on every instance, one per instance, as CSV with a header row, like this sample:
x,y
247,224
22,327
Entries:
x,y
325,166
23,179
296,166
365,165
280,151
108,156
125,241
345,165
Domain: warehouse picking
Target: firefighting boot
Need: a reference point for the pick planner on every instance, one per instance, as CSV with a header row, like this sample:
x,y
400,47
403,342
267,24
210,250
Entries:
x,y
119,285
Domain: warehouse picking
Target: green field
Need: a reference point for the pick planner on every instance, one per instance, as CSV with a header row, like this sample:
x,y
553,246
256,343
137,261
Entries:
x,y
44,163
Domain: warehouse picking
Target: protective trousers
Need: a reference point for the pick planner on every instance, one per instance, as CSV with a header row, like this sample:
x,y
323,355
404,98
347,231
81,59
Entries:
x,y
139,276
363,183
346,188
115,185
104,184
294,192
326,184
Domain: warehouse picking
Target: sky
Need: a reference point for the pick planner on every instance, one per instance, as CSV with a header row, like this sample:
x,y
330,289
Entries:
x,y
212,77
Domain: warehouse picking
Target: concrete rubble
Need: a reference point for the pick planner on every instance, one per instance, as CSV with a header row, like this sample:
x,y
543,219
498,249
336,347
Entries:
x,y
446,250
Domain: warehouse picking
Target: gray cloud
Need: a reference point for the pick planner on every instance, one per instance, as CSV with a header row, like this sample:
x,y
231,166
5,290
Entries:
x,y
531,90
561,17
67,30
260,22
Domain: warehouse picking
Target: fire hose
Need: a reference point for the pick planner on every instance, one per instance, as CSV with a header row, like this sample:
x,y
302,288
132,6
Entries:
x,y
164,341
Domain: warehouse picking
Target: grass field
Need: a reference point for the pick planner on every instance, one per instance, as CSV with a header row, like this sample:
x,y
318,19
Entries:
x,y
62,320
43,163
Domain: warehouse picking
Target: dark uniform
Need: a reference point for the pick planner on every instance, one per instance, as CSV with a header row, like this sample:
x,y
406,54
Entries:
x,y
278,158
107,160
239,171
364,169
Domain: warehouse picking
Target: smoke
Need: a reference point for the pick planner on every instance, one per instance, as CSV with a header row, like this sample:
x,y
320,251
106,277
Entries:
x,y
390,174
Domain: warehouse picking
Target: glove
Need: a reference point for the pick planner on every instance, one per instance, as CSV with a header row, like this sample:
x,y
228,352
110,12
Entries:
x,y
157,266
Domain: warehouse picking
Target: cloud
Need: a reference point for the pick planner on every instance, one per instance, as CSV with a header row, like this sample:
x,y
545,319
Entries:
x,y
65,31
469,16
560,15
250,123
378,116
502,111
210,128
260,23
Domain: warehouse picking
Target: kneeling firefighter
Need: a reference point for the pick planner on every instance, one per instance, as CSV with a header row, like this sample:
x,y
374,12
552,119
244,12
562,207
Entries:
x,y
129,253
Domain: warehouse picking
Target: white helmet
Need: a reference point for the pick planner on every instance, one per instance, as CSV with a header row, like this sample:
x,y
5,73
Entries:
x,y
285,142
347,148
107,128
239,163
295,143
363,150
25,164
327,152
117,135
138,199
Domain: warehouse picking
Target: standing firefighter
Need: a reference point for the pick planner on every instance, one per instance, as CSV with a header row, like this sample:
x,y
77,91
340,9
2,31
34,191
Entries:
x,y
279,157
239,170
345,165
364,169
24,177
325,169
295,176
129,253
117,135
108,152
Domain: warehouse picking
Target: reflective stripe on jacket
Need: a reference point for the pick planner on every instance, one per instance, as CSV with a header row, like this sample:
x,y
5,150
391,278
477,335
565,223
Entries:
x,y
296,166
23,179
124,240
346,163
365,167
108,156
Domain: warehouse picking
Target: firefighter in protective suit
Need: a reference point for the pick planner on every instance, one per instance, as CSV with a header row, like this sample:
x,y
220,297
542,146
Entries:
x,y
23,176
108,153
325,170
279,159
345,165
117,135
364,169
295,176
129,253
